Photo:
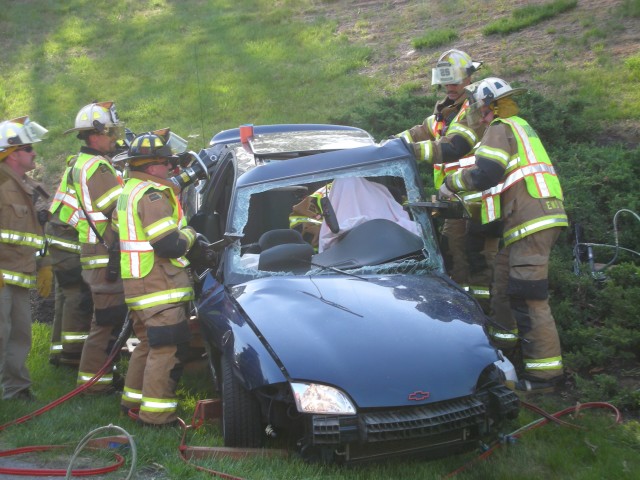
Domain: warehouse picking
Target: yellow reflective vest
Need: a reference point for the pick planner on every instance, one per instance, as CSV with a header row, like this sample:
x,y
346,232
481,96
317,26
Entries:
x,y
437,129
65,207
86,167
162,285
529,164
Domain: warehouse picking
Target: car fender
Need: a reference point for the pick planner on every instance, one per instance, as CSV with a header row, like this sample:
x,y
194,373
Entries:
x,y
225,328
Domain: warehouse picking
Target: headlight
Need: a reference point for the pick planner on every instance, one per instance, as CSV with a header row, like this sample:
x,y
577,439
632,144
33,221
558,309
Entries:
x,y
314,398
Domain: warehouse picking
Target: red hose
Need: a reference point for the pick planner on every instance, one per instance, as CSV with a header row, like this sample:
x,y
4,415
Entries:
x,y
54,472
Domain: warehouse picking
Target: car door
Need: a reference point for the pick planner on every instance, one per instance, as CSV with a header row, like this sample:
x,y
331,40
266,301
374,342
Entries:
x,y
211,217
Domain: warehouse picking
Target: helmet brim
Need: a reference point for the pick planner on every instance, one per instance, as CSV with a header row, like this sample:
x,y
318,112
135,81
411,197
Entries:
x,y
66,132
511,93
134,159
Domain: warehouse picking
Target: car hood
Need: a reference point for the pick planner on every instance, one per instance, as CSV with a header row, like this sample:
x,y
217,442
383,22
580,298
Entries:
x,y
385,340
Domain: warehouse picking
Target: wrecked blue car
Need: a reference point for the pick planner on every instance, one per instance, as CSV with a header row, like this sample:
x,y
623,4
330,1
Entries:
x,y
329,320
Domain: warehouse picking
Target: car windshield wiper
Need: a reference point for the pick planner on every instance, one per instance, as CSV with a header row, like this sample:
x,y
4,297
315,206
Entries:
x,y
337,270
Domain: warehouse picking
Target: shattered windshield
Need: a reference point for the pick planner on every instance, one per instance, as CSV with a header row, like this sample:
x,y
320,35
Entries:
x,y
339,220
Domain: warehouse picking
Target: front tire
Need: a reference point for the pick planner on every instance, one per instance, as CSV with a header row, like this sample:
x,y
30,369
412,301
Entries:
x,y
241,420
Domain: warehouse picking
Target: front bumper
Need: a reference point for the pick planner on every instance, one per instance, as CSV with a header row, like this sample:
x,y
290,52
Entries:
x,y
428,428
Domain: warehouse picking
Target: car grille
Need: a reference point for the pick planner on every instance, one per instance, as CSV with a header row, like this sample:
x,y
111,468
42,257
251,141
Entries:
x,y
434,420
435,429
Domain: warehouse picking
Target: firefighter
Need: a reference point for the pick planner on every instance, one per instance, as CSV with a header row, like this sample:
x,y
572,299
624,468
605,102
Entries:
x,y
97,187
306,216
446,141
21,237
73,302
154,240
519,185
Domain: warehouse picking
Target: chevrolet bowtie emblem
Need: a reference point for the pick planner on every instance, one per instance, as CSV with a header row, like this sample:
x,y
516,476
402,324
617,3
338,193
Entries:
x,y
419,395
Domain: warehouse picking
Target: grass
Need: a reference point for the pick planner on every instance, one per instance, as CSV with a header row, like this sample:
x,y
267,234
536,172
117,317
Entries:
x,y
528,16
435,38
631,8
198,67
592,83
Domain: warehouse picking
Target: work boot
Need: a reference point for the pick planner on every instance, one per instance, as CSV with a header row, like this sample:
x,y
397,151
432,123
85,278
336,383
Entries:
x,y
173,423
25,395
118,382
69,360
532,386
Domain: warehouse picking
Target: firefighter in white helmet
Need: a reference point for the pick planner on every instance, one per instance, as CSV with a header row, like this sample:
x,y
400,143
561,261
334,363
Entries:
x,y
519,185
21,236
154,241
446,141
96,187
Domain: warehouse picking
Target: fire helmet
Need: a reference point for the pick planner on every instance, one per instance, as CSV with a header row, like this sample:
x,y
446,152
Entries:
x,y
99,117
20,131
486,93
151,145
453,67
490,90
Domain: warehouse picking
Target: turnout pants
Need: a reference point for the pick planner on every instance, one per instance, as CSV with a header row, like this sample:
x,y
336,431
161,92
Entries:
x,y
73,308
15,339
157,363
108,317
520,305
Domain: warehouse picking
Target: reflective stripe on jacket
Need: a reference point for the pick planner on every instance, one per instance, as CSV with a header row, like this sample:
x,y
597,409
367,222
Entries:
x,y
84,168
443,170
65,203
531,164
137,257
20,232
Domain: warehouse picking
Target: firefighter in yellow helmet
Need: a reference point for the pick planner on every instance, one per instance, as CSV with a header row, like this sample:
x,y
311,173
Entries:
x,y
446,141
21,236
96,187
519,185
154,242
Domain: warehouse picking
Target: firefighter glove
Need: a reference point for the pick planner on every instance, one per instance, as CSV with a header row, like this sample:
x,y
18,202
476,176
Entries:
x,y
43,216
444,191
202,253
44,281
210,255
